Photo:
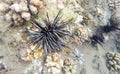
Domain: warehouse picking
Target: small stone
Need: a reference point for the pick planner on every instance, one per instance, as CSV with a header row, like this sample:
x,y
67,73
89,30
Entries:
x,y
26,15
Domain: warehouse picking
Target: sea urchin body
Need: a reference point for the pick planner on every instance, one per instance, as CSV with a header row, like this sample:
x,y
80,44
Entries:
x,y
50,36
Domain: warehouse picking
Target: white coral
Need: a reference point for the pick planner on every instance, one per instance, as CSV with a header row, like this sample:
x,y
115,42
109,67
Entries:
x,y
69,66
19,11
54,63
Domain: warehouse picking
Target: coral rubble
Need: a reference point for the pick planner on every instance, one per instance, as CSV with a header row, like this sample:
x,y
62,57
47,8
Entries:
x,y
53,64
69,66
113,61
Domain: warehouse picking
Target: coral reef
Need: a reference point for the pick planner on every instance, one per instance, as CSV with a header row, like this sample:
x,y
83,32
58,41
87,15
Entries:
x,y
113,61
21,11
78,23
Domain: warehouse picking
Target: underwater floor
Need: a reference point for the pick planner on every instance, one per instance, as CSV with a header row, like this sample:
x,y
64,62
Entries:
x,y
59,36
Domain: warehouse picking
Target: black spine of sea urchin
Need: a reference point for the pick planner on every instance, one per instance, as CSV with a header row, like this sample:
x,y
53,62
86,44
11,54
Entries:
x,y
50,36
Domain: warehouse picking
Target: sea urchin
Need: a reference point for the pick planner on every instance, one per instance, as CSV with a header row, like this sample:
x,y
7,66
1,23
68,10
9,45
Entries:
x,y
50,36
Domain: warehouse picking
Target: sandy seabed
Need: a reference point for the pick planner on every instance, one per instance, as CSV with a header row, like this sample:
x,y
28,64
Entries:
x,y
91,13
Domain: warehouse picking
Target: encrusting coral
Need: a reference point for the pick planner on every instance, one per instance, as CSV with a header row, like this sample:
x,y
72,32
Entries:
x,y
19,12
113,61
